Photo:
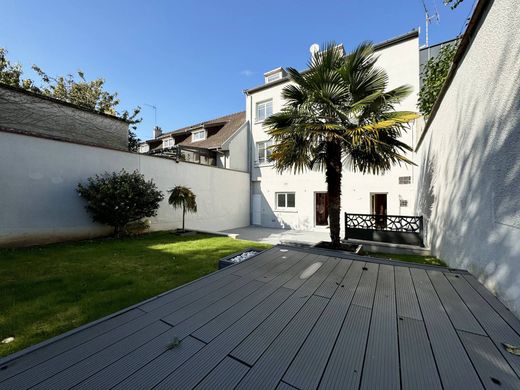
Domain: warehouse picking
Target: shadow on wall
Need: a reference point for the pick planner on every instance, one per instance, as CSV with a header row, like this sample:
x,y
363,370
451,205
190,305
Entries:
x,y
470,180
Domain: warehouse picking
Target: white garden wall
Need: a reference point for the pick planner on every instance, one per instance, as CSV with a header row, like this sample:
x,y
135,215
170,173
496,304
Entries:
x,y
469,187
39,203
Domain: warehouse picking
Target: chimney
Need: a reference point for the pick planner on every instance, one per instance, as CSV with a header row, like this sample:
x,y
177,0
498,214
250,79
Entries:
x,y
157,132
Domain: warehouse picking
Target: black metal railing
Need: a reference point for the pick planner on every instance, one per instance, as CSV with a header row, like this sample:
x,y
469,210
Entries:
x,y
360,225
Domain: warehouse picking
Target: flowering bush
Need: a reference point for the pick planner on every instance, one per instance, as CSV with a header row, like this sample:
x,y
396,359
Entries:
x,y
120,198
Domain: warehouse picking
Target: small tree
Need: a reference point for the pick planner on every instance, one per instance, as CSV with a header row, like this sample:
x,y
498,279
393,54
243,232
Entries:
x,y
183,197
434,75
119,198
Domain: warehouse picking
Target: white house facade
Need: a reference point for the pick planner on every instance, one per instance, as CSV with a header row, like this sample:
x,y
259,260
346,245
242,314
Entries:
x,y
299,201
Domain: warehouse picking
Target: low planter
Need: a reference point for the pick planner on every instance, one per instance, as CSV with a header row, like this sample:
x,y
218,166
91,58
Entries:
x,y
238,257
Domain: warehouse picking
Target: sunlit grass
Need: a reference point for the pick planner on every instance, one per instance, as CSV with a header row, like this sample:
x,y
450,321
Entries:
x,y
50,289
429,260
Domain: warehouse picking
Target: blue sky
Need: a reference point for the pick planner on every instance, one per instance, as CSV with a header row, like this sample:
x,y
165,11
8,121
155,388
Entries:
x,y
193,59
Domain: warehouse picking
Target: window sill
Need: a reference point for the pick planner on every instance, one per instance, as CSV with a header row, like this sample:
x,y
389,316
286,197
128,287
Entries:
x,y
293,211
262,165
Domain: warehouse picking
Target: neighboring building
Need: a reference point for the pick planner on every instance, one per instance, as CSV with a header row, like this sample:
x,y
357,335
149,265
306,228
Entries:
x,y
300,201
427,52
35,114
221,142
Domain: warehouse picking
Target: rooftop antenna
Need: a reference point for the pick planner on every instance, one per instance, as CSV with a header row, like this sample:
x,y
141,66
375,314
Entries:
x,y
429,18
154,113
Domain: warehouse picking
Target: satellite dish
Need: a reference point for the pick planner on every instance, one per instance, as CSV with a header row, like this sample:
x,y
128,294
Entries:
x,y
314,48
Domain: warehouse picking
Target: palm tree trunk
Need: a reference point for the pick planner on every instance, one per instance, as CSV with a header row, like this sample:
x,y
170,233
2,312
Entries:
x,y
333,173
183,215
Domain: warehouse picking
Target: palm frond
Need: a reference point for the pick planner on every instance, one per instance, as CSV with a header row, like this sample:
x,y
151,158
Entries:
x,y
181,196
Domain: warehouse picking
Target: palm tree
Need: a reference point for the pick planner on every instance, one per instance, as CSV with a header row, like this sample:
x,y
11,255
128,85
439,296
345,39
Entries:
x,y
338,113
181,196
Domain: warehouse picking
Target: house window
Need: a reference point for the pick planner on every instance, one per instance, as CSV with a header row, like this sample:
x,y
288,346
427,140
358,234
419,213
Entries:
x,y
168,143
264,110
198,135
285,200
264,151
403,203
274,77
143,148
405,179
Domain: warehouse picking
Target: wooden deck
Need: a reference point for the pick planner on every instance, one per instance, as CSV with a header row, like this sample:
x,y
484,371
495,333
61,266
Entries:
x,y
291,319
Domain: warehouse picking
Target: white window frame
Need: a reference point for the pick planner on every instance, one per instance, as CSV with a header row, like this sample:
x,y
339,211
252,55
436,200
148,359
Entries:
x,y
168,142
266,158
404,180
261,111
194,134
143,148
285,195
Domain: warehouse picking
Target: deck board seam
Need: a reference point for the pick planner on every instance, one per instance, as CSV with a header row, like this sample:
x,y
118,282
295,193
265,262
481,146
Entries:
x,y
455,329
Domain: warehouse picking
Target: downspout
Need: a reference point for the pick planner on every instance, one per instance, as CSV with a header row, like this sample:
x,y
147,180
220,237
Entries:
x,y
249,160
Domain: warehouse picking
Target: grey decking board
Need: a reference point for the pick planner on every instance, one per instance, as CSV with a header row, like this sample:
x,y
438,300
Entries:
x,y
307,367
493,301
489,362
495,326
112,374
329,286
406,299
87,367
343,370
151,373
274,268
284,386
460,315
48,351
418,370
187,311
189,325
62,361
259,340
203,362
216,326
225,376
381,366
455,368
367,286
297,281
268,371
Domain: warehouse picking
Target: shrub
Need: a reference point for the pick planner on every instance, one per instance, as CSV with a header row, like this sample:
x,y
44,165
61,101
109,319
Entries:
x,y
120,198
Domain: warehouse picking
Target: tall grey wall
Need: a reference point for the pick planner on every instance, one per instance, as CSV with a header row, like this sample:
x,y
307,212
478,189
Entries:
x,y
28,112
39,203
469,186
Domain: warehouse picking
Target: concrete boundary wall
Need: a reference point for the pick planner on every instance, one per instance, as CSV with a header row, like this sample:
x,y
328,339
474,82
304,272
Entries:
x,y
469,185
39,202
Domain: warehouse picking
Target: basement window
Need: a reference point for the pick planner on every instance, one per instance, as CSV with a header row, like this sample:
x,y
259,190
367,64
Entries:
x,y
403,203
405,179
285,200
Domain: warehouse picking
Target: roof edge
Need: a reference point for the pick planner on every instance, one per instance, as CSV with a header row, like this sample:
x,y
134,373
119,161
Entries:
x,y
480,9
62,102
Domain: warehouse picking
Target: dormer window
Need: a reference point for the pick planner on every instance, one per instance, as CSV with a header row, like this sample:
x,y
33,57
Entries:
x,y
168,143
198,135
273,75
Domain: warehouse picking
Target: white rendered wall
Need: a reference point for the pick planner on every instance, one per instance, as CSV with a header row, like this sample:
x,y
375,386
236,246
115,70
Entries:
x,y
39,203
469,187
237,147
401,61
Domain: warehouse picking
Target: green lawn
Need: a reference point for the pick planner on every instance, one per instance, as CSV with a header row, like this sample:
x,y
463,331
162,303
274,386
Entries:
x,y
50,289
430,260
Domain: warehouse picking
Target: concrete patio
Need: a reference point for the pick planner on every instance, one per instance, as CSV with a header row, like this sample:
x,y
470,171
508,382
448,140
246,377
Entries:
x,y
278,236
291,318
